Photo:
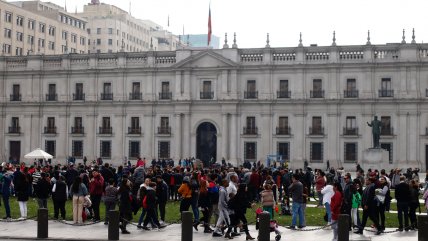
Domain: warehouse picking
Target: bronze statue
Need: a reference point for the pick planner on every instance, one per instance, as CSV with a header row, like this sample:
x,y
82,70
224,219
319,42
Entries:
x,y
375,125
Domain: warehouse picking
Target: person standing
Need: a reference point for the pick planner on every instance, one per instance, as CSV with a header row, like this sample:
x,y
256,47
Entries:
x,y
369,206
356,202
402,195
125,209
296,190
327,193
381,192
96,188
6,184
22,184
347,198
42,190
224,212
414,204
336,203
78,192
162,197
319,184
186,194
59,196
110,198
267,200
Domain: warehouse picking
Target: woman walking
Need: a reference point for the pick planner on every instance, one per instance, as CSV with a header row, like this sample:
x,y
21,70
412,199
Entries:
x,y
78,192
327,193
239,203
110,198
186,194
204,203
414,204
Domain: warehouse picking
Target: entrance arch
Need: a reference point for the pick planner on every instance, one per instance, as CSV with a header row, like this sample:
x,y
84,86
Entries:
x,y
206,143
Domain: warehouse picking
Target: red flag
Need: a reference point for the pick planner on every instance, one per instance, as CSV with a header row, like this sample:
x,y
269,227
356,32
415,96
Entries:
x,y
209,26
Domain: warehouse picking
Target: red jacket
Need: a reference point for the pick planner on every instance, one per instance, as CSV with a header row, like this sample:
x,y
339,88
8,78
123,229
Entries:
x,y
335,205
96,187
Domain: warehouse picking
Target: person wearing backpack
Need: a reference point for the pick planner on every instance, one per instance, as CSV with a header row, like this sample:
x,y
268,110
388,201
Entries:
x,y
149,204
141,195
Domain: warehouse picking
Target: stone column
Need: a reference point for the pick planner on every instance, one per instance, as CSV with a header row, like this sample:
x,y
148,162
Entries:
x,y
224,137
177,137
149,134
234,85
234,146
186,92
186,136
178,92
265,131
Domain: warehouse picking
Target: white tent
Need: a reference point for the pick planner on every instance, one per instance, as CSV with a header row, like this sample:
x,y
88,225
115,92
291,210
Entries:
x,y
38,154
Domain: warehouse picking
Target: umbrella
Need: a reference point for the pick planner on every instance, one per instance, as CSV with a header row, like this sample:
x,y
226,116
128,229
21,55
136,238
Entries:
x,y
38,154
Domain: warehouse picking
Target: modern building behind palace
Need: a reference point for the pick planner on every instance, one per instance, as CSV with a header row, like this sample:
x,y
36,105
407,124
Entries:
x,y
301,103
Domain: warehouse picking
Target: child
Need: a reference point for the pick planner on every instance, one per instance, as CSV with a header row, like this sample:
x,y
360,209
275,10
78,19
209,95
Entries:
x,y
356,202
267,199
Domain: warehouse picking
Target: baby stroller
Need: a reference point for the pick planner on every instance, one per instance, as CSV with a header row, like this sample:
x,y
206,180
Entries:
x,y
285,207
273,225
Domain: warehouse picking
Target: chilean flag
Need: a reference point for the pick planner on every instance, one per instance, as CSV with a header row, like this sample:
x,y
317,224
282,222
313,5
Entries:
x,y
209,26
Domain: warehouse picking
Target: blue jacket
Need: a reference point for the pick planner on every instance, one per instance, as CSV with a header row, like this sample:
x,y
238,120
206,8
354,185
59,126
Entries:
x,y
7,180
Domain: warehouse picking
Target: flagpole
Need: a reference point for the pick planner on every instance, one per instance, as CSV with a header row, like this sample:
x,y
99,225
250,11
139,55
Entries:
x,y
209,25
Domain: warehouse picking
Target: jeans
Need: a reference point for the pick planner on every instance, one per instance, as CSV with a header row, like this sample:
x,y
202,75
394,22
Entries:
x,y
195,208
328,211
334,226
161,207
143,213
6,206
381,211
319,198
297,210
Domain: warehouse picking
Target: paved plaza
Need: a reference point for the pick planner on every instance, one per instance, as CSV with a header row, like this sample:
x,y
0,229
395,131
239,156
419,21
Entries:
x,y
27,230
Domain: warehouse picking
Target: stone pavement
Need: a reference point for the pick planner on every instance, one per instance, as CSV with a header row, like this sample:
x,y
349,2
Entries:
x,y
27,230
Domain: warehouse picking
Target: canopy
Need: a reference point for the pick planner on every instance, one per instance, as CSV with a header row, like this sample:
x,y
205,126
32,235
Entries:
x,y
38,154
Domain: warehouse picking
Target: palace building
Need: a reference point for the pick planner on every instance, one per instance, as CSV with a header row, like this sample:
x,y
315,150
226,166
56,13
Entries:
x,y
302,103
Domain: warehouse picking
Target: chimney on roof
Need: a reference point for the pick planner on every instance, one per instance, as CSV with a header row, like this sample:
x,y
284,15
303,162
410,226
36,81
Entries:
x,y
95,2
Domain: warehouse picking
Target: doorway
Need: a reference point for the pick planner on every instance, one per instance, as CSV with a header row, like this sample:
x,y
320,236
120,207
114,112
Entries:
x,y
206,143
14,151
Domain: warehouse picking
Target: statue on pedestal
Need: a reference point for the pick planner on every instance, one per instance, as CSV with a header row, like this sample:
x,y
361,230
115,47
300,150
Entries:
x,y
375,125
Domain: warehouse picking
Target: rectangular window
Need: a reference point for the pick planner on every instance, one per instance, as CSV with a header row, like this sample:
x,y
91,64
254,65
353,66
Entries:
x,y
283,85
88,30
283,122
386,125
77,149
98,30
206,92
317,85
136,88
16,90
42,27
19,36
19,21
107,88
8,17
79,89
164,122
386,84
51,45
251,122
82,41
106,122
105,149
110,41
110,31
51,31
30,40
51,122
7,33
351,152
52,89
78,124
31,24
41,43
351,84
15,122
165,87
64,35
388,147
73,38
7,48
135,122
134,149
98,41
50,147
18,51
316,125
250,151
317,152
283,149
164,149
351,122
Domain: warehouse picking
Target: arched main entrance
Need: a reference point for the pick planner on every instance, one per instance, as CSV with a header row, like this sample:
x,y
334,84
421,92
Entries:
x,y
206,142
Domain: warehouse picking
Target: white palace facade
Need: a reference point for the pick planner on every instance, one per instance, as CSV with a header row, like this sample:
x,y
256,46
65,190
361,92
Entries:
x,y
303,103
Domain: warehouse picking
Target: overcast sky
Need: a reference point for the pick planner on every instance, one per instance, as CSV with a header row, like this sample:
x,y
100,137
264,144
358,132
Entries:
x,y
284,19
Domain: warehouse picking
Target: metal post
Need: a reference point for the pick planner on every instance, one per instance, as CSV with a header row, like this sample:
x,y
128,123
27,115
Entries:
x,y
343,227
186,226
42,223
422,228
113,225
264,226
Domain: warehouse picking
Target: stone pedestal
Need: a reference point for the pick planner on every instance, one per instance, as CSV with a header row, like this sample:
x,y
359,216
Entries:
x,y
375,158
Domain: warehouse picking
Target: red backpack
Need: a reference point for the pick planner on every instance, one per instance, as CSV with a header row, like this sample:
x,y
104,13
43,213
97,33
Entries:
x,y
145,202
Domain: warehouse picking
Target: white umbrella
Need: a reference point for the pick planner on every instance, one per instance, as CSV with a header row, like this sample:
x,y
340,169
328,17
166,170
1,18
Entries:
x,y
38,154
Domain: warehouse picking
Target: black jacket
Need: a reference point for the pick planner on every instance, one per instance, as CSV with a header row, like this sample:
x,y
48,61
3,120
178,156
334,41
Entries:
x,y
60,193
368,198
162,192
402,192
151,198
42,188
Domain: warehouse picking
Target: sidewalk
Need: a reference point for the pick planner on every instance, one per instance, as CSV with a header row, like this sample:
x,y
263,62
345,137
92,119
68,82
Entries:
x,y
27,230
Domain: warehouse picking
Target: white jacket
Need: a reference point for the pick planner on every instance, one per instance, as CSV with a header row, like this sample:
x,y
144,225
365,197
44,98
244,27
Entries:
x,y
327,193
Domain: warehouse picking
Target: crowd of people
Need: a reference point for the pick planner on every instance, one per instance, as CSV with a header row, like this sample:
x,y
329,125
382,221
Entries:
x,y
221,194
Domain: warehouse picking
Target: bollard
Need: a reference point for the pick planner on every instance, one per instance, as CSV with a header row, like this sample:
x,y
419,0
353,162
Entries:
x,y
42,223
264,226
343,227
186,226
113,225
422,228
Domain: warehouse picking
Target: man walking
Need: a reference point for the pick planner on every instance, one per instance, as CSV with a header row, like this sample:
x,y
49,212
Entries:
x,y
402,194
369,206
